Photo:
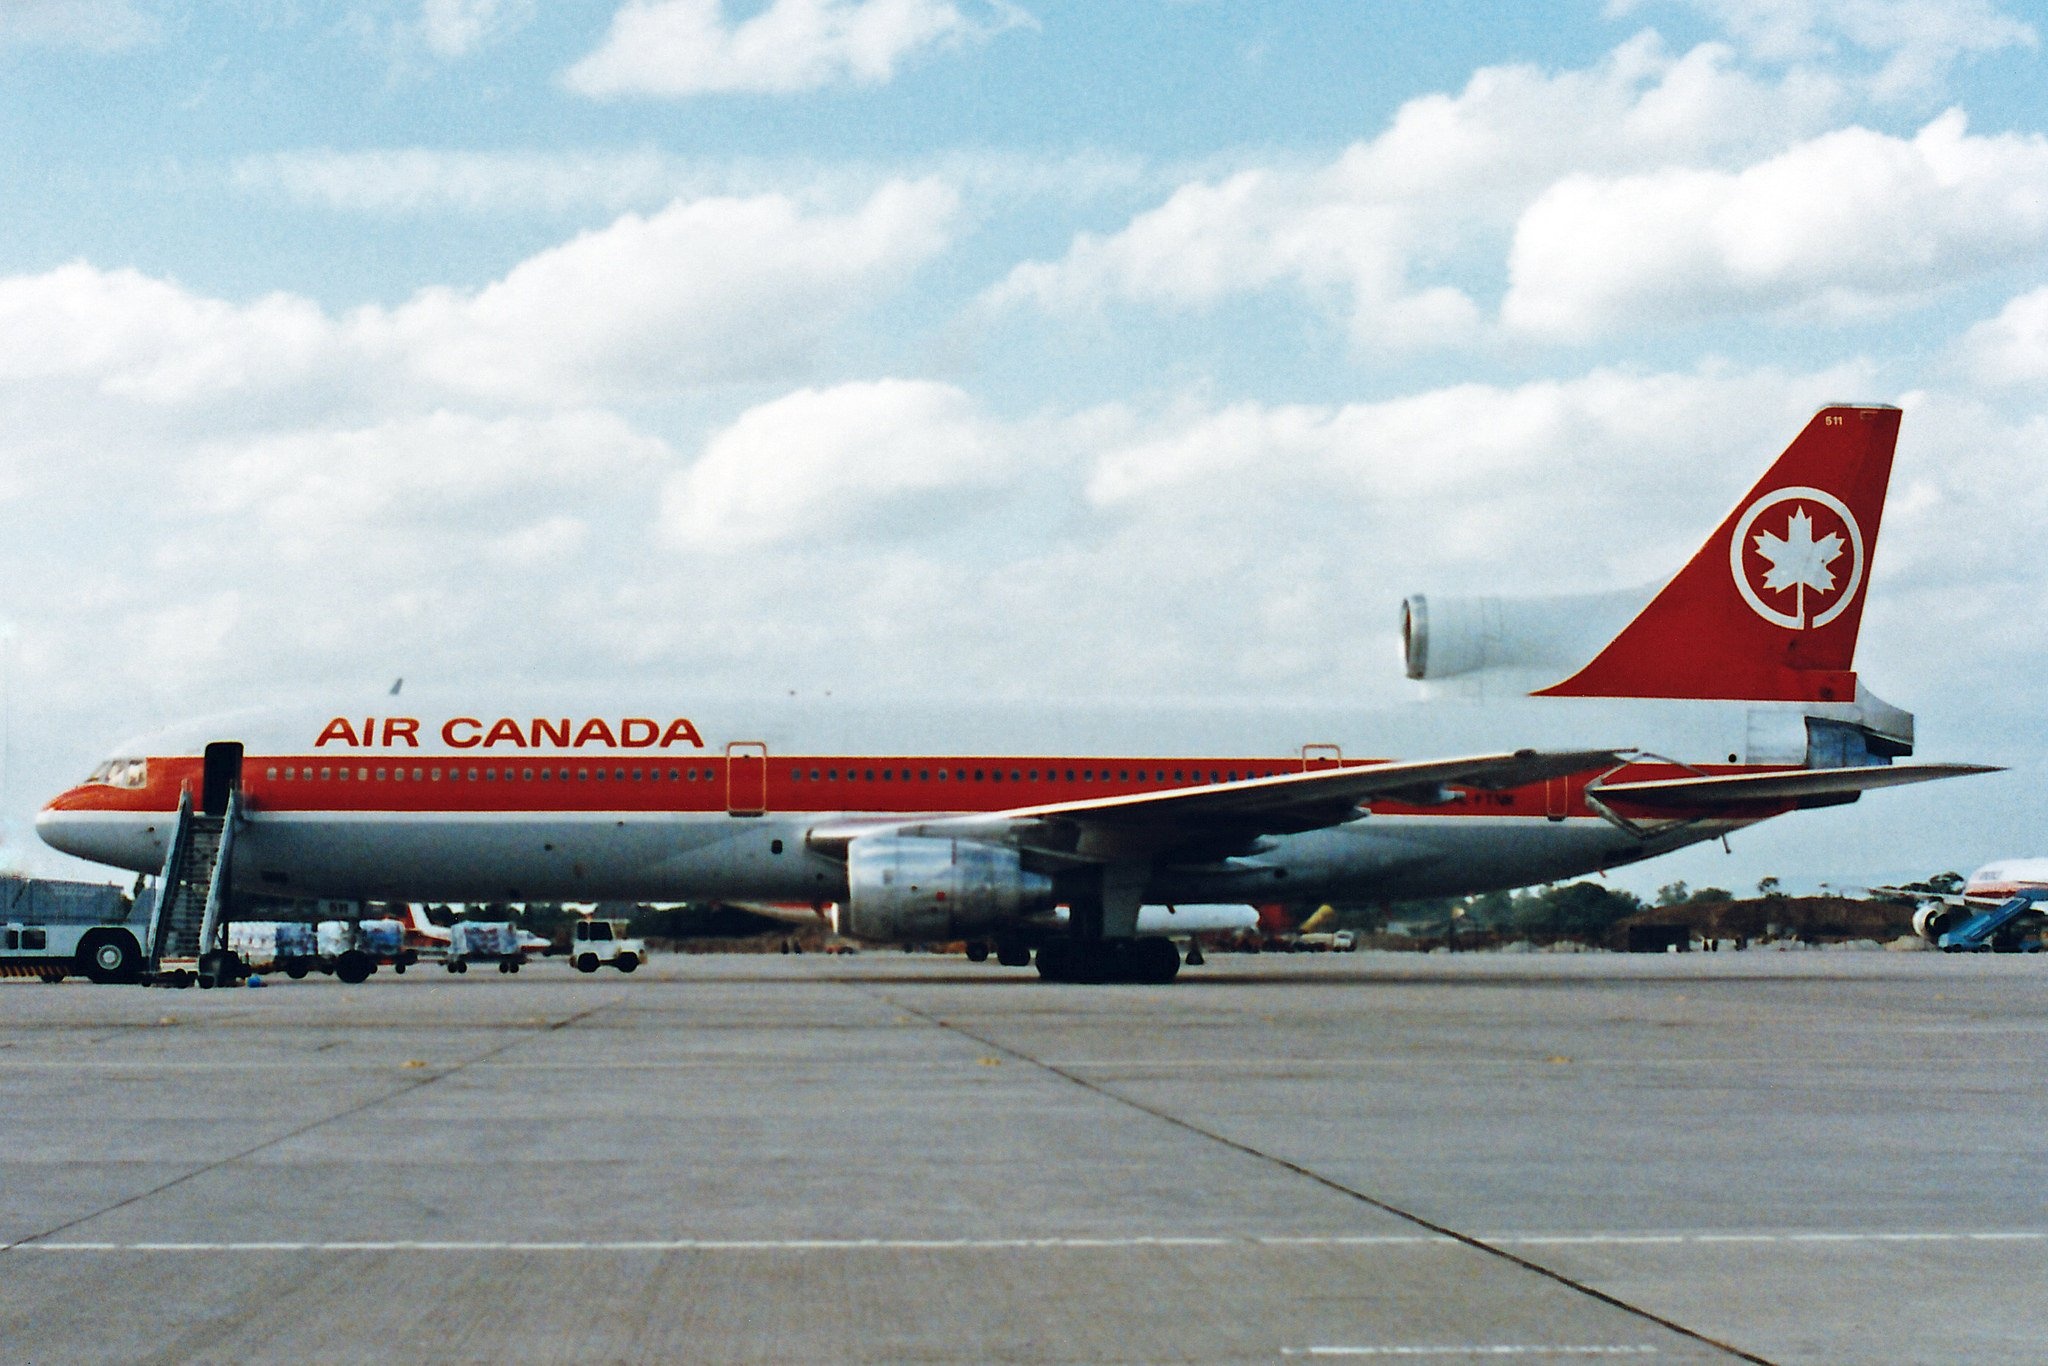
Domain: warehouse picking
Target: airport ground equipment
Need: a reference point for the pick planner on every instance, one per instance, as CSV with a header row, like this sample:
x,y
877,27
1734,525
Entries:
x,y
188,923
484,941
1996,928
55,929
595,943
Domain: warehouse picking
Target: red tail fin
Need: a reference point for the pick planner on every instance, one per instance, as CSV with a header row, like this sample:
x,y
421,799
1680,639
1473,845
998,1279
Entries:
x,y
1770,606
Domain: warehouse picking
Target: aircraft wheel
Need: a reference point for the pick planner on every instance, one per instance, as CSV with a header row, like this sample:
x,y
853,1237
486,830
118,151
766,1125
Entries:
x,y
1056,961
1013,953
1154,960
977,951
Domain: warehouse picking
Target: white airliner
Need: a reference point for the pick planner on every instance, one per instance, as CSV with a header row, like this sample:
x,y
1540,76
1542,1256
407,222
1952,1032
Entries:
x,y
1726,700
1992,885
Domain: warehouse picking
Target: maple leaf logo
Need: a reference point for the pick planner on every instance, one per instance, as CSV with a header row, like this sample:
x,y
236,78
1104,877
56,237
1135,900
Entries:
x,y
1798,561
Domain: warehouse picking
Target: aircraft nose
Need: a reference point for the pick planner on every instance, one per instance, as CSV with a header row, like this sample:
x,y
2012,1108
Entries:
x,y
59,828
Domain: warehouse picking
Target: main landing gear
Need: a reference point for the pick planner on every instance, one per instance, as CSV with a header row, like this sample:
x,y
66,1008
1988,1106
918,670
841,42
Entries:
x,y
1149,960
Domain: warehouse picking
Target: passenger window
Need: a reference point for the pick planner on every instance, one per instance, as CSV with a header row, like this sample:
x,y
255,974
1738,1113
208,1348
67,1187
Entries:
x,y
1014,777
383,775
1123,776
528,775
472,775
831,775
437,774
924,775
887,775
868,775
344,776
674,776
977,775
270,773
1087,775
636,775
1070,775
942,775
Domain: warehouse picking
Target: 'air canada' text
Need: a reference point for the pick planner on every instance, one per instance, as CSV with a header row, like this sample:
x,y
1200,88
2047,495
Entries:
x,y
467,732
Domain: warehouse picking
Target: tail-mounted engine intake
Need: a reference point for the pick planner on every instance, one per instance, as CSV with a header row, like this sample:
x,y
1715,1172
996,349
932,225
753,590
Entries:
x,y
1447,637
906,887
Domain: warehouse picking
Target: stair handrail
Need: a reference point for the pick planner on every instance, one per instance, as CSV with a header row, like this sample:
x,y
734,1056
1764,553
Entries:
x,y
216,886
181,836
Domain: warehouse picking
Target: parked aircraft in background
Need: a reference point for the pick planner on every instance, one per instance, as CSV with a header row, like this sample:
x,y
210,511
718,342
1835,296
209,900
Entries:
x,y
1992,885
1727,700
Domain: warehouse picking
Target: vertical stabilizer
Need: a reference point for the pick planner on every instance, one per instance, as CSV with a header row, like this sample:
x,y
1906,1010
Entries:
x,y
1769,607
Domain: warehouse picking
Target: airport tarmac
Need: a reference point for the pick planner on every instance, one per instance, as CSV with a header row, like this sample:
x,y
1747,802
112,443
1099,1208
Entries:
x,y
1787,1157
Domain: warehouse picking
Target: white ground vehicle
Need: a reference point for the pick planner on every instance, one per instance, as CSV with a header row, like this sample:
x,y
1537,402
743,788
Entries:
x,y
594,943
53,929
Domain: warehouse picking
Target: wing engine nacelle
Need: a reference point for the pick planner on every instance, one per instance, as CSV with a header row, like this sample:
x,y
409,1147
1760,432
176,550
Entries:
x,y
1937,918
914,887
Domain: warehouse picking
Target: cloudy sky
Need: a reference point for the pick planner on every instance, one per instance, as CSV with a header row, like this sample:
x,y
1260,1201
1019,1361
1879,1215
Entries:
x,y
1014,348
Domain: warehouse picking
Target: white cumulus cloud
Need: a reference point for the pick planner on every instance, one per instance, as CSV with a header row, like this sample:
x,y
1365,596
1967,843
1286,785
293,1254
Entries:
x,y
824,461
1367,231
691,47
2011,348
1918,40
1844,225
703,292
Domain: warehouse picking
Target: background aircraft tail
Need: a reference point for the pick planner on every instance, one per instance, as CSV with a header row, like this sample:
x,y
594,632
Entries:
x,y
1769,607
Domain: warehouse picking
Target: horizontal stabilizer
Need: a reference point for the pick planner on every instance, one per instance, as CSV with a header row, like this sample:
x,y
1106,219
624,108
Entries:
x,y
1791,785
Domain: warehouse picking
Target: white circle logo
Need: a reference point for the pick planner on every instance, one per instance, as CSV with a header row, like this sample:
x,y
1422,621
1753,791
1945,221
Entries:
x,y
1790,570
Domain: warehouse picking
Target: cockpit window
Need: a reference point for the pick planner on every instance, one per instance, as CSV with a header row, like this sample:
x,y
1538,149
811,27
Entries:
x,y
121,773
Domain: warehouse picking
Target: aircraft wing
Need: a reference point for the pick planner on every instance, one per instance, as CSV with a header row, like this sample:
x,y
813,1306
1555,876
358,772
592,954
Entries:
x,y
1806,786
1111,827
1915,894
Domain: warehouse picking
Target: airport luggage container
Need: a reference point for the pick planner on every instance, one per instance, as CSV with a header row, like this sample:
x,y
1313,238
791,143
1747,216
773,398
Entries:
x,y
54,929
484,941
349,954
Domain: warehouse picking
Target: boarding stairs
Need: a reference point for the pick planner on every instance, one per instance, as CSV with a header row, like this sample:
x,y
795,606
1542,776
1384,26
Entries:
x,y
1980,932
188,926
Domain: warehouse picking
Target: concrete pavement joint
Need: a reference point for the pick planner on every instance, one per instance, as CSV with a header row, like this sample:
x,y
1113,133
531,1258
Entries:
x,y
1477,1244
423,1080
